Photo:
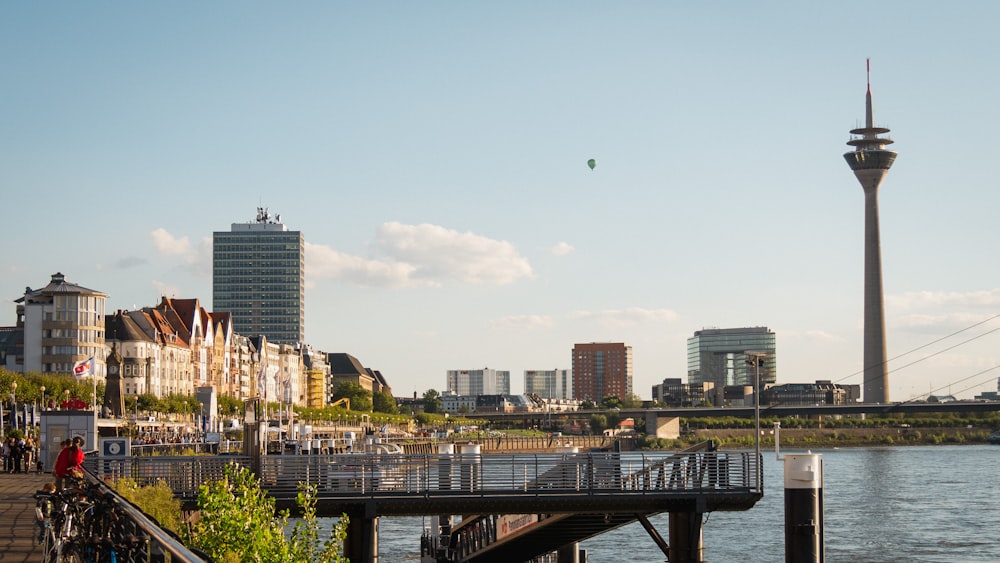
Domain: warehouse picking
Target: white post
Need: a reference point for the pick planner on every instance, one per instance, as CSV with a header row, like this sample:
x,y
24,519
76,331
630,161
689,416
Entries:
x,y
777,440
804,508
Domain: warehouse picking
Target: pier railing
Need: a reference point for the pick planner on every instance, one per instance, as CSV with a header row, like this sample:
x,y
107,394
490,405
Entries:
x,y
363,475
137,531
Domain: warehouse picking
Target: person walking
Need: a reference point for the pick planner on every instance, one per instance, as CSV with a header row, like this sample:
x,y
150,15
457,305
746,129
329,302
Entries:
x,y
17,454
29,454
6,454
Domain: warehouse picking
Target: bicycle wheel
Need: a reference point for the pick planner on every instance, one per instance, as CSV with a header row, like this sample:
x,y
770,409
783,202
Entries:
x,y
72,552
49,545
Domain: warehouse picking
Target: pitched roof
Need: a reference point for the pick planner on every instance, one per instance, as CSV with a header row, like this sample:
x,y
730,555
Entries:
x,y
345,364
123,328
57,284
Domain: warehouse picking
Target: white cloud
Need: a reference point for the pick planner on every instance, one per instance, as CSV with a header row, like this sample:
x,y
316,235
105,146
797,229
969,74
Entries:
x,y
923,299
562,249
168,245
627,317
197,258
523,321
940,323
325,262
444,254
422,255
407,256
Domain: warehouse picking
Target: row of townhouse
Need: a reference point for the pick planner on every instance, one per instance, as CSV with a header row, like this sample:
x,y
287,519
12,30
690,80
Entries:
x,y
172,348
178,346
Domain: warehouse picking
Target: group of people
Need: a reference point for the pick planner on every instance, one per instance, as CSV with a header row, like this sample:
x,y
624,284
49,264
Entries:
x,y
18,455
69,461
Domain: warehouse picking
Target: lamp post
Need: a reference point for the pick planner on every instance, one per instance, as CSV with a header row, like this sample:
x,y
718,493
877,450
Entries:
x,y
42,389
755,359
13,404
66,401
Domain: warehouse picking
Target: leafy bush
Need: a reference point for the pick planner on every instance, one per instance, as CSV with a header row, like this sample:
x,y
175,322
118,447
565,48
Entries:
x,y
157,501
238,523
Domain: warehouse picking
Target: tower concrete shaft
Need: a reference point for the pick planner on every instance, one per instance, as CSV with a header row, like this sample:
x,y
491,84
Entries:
x,y
870,162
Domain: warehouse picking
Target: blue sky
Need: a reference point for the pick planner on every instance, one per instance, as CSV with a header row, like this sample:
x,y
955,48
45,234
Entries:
x,y
434,155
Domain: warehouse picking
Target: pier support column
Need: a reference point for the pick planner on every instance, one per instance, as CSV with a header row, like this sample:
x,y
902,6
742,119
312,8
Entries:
x,y
361,543
804,509
686,541
666,427
569,553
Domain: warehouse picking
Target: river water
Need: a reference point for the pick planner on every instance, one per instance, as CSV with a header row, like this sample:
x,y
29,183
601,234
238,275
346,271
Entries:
x,y
887,505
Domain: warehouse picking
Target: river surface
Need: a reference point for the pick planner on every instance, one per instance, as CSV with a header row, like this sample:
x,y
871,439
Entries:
x,y
892,504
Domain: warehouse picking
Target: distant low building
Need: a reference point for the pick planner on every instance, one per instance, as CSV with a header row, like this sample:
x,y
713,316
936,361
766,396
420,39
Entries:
x,y
674,393
452,403
821,392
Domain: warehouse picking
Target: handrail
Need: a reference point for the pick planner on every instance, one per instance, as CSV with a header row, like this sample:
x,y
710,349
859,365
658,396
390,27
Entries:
x,y
375,475
167,540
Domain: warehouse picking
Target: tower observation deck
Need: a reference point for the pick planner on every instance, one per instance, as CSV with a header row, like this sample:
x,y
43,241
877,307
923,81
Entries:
x,y
870,161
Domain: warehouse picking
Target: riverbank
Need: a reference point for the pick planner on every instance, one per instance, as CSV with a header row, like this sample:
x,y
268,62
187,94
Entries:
x,y
844,437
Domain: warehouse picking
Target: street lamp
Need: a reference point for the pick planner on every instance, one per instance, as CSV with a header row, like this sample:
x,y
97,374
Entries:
x,y
755,359
66,404
13,404
42,389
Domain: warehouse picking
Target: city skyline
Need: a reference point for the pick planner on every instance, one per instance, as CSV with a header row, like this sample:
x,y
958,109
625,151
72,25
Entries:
x,y
435,158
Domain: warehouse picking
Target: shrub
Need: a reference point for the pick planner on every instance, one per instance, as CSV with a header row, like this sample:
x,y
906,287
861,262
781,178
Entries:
x,y
238,523
157,501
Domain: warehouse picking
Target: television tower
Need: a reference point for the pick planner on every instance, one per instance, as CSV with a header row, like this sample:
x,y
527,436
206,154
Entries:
x,y
870,162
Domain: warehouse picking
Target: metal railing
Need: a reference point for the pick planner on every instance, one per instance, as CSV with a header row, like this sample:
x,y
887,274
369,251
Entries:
x,y
394,475
161,541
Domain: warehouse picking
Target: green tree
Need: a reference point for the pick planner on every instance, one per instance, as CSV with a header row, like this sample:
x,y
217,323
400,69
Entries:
x,y
432,401
383,401
230,406
632,401
238,523
611,403
598,422
361,398
147,402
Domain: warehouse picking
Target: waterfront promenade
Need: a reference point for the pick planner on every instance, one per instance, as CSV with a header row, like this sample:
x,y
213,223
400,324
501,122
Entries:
x,y
17,505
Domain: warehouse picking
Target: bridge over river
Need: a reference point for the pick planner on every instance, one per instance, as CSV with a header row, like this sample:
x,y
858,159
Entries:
x,y
567,496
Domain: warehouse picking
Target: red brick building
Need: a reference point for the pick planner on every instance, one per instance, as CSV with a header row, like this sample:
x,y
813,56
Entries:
x,y
602,369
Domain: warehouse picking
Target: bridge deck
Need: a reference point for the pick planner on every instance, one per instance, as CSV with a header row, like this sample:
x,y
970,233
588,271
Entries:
x,y
422,484
18,540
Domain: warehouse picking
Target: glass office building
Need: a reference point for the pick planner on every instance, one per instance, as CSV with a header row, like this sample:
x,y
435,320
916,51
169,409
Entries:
x,y
719,356
258,275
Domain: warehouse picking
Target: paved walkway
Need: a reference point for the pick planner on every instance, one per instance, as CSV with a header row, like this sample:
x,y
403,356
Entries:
x,y
18,533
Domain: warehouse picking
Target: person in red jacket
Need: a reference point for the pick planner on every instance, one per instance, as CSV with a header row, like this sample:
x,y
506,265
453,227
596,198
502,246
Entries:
x,y
69,461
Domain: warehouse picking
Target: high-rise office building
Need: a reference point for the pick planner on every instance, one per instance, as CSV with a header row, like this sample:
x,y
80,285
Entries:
x,y
726,356
549,383
258,275
475,382
870,161
602,369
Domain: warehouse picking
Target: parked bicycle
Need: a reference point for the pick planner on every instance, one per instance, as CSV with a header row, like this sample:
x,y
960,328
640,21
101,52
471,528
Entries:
x,y
83,524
